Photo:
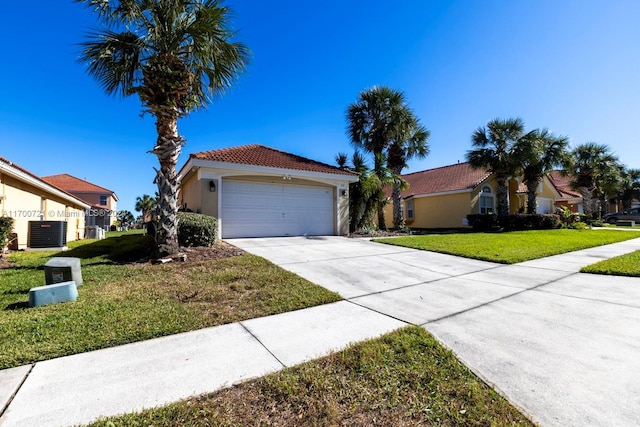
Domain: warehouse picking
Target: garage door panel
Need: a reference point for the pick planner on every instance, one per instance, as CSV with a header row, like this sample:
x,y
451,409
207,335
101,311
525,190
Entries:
x,y
255,209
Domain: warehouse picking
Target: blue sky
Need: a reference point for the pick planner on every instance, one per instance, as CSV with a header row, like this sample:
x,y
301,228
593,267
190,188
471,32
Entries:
x,y
570,66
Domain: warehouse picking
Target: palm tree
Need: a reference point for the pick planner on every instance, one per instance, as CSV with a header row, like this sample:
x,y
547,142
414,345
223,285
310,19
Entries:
x,y
592,165
410,142
175,55
630,188
538,152
494,152
365,194
380,118
147,205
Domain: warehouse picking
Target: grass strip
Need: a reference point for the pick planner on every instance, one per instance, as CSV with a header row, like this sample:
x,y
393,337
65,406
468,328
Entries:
x,y
512,247
119,304
623,265
405,378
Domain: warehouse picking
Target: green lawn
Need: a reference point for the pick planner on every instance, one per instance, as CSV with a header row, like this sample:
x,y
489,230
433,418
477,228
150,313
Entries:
x,y
512,247
405,378
122,303
624,265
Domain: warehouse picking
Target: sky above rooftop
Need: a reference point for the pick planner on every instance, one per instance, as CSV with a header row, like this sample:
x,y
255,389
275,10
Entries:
x,y
572,66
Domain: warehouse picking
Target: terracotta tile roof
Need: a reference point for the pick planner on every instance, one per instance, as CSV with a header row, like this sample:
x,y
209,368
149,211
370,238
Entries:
x,y
23,170
259,155
72,184
563,185
456,177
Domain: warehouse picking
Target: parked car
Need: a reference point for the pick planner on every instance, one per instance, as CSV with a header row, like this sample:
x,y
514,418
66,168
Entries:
x,y
629,215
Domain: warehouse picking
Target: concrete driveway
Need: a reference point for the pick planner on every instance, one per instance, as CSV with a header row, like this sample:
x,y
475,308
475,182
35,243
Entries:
x,y
562,345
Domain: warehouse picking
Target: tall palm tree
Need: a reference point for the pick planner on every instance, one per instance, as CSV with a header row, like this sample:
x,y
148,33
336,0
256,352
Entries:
x,y
537,153
410,142
494,146
146,205
376,120
591,166
175,55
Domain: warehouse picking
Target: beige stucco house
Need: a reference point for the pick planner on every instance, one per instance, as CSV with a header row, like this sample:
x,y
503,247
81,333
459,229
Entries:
x,y
27,198
444,196
258,191
103,201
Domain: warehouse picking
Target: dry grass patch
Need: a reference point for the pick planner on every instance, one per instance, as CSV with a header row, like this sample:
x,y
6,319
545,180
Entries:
x,y
402,379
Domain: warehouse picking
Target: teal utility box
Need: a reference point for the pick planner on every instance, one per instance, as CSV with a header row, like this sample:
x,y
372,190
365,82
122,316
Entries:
x,y
62,269
51,294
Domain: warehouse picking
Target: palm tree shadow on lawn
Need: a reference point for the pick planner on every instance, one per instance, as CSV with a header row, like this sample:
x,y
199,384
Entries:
x,y
122,249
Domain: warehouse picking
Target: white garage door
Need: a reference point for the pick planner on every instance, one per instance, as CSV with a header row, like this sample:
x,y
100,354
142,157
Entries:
x,y
256,209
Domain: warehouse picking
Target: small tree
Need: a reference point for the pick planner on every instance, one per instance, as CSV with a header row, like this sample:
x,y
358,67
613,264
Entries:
x,y
147,206
6,225
125,218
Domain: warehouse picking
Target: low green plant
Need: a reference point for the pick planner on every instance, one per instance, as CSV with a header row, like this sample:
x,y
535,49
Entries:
x,y
196,229
6,225
579,225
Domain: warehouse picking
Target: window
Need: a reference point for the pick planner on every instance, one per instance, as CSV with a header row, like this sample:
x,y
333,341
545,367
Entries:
x,y
103,200
487,199
410,209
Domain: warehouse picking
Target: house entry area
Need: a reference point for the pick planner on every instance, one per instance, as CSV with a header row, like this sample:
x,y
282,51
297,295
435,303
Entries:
x,y
264,209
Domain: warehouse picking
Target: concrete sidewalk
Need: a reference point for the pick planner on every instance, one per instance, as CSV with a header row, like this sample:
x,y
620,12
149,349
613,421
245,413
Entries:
x,y
564,346
80,388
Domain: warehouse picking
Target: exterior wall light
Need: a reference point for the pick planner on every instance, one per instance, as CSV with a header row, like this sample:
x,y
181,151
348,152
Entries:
x,y
212,186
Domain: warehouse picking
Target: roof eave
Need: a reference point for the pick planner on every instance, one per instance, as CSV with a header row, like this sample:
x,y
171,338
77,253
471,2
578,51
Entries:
x,y
268,170
40,184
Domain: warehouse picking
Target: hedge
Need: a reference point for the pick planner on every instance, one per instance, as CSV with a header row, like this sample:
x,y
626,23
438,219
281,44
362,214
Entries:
x,y
492,222
196,229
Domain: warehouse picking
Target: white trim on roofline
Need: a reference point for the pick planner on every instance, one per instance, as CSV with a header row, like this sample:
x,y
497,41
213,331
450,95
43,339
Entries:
x,y
191,163
8,169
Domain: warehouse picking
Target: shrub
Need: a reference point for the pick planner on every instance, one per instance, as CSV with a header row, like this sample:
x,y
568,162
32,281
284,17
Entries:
x,y
578,225
196,229
483,222
530,222
514,222
6,225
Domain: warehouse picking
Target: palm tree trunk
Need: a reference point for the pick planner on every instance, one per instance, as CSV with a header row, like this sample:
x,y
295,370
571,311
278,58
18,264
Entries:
x,y
377,167
396,197
588,201
398,217
502,194
167,150
532,202
382,224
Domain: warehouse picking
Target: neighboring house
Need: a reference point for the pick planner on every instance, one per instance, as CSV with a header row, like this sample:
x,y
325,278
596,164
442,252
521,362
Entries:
x,y
26,198
568,196
444,196
103,201
257,191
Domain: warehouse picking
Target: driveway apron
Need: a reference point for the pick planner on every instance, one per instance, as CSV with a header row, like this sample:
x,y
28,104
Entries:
x,y
561,345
